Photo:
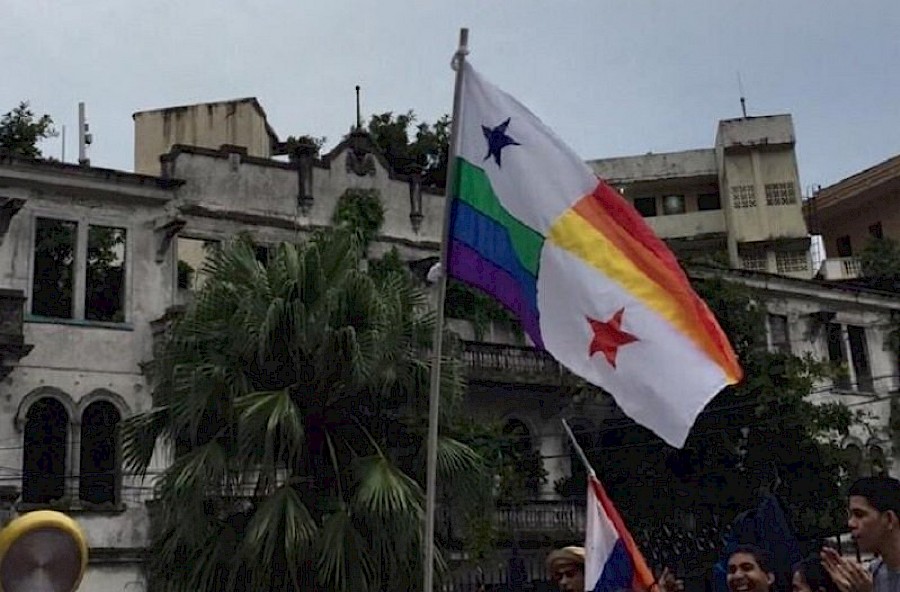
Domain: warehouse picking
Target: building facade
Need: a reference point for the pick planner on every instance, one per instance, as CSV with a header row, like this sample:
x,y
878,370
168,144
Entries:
x,y
94,262
738,202
853,211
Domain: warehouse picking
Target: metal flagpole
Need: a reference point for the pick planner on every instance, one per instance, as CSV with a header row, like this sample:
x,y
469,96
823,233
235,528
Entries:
x,y
434,399
578,449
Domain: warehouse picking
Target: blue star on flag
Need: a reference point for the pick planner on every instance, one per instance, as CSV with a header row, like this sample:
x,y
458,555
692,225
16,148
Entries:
x,y
497,140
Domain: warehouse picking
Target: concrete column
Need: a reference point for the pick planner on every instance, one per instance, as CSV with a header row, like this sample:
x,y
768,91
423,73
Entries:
x,y
74,464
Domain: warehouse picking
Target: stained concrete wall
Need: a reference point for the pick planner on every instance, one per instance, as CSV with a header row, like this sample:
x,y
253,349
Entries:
x,y
241,122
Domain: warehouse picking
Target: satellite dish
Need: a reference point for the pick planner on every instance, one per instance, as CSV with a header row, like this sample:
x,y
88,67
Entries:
x,y
42,551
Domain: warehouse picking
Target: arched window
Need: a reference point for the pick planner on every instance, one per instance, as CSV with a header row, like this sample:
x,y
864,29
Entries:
x,y
530,463
99,453
519,434
44,457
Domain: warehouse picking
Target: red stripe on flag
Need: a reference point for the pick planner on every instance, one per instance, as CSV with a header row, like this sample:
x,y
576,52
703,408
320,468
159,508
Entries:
x,y
634,229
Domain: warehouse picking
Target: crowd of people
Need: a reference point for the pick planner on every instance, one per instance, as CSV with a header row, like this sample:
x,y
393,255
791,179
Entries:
x,y
873,517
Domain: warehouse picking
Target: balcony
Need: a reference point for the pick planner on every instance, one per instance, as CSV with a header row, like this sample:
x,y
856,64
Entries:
x,y
511,363
533,520
493,362
689,224
840,269
12,335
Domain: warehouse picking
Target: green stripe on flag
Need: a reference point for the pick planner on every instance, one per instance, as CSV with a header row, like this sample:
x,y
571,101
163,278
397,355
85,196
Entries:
x,y
474,188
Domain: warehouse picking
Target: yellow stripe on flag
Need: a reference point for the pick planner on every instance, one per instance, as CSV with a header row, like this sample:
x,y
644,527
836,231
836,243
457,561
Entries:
x,y
578,236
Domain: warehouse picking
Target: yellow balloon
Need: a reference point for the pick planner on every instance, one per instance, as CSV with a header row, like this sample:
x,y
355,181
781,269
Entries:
x,y
42,550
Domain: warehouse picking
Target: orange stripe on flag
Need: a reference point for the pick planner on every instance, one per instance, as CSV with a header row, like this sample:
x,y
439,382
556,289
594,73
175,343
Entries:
x,y
577,235
643,577
605,210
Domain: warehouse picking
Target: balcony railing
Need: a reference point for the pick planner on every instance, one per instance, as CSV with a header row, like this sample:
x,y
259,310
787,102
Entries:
x,y
550,520
542,517
484,361
492,361
840,268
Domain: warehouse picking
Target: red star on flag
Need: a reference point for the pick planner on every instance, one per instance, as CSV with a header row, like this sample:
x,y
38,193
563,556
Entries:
x,y
609,337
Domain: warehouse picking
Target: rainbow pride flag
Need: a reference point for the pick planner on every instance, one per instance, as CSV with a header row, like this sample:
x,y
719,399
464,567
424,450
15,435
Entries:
x,y
532,226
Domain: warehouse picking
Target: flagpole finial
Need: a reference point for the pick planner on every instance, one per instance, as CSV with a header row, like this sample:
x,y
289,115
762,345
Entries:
x,y
463,50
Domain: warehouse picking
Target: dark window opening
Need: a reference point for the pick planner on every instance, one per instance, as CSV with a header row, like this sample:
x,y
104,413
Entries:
x,y
529,458
836,354
54,268
99,453
778,333
104,298
844,247
646,206
193,256
709,201
876,231
262,254
44,458
860,356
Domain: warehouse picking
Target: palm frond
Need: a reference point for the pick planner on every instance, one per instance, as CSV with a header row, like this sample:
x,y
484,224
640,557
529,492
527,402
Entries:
x,y
278,538
344,561
139,435
271,428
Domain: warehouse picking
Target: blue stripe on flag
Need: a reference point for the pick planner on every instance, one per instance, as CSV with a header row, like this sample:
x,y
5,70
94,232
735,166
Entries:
x,y
617,571
491,241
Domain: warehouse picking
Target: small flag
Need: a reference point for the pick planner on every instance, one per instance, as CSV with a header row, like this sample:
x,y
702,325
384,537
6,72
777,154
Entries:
x,y
532,226
612,562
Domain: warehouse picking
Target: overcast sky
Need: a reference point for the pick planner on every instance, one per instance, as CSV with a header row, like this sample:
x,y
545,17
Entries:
x,y
612,78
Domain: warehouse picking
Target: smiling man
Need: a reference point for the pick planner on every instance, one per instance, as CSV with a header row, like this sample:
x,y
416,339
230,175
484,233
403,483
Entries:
x,y
750,570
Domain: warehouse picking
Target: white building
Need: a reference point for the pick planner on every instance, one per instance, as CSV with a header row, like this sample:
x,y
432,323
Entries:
x,y
93,262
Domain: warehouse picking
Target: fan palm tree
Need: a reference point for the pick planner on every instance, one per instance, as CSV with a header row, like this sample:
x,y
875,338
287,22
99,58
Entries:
x,y
291,399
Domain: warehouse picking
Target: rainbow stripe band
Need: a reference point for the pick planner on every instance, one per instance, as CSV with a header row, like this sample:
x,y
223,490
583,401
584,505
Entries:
x,y
493,251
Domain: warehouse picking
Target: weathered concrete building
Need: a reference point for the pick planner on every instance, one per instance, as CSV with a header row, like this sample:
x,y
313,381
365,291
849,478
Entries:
x,y
81,284
854,210
738,200
93,262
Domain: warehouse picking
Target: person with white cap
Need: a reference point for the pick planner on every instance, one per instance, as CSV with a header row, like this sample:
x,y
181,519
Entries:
x,y
566,567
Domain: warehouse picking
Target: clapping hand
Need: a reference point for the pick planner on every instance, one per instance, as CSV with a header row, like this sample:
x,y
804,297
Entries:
x,y
847,575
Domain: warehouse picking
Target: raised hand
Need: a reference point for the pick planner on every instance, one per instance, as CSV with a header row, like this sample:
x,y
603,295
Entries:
x,y
847,575
669,583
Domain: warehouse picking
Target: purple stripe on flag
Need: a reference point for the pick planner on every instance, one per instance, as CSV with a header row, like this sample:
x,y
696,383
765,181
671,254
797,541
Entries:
x,y
469,266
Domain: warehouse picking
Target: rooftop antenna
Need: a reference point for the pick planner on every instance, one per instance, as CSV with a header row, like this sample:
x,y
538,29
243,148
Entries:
x,y
62,156
358,112
85,137
743,100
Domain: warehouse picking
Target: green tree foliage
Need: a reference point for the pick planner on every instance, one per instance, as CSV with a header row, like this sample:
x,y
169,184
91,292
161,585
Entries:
x,y
763,430
21,131
360,211
294,397
297,144
880,262
427,148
